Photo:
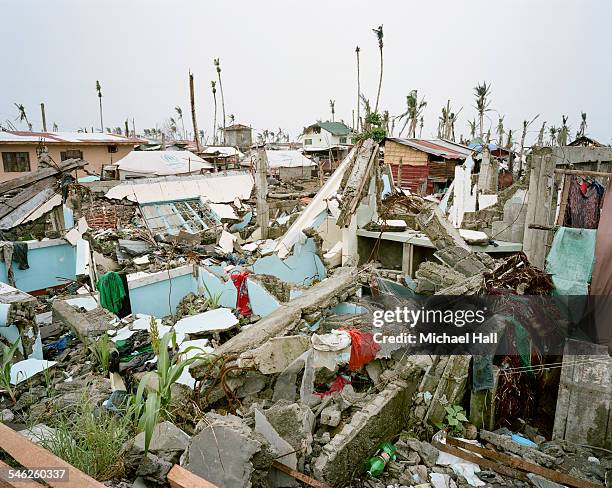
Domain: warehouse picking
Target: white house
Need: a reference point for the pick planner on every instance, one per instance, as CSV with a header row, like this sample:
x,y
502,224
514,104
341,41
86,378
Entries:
x,y
323,136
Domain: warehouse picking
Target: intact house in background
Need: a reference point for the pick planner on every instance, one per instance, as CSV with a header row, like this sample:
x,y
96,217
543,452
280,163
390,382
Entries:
x,y
327,142
423,166
238,135
20,149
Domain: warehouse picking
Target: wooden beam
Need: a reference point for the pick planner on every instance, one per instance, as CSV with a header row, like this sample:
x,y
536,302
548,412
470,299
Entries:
x,y
473,458
13,482
40,174
299,476
33,456
519,463
582,172
179,477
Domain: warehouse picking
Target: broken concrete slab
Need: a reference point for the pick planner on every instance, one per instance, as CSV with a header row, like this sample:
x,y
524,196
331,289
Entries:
x,y
284,452
167,438
440,231
275,355
228,453
26,369
288,315
294,422
213,321
79,314
384,417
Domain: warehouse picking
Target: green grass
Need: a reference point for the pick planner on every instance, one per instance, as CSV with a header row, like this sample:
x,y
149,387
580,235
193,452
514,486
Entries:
x,y
91,440
6,363
100,349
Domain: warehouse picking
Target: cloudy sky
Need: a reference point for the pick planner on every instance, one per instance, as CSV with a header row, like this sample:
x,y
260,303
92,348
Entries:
x,y
282,61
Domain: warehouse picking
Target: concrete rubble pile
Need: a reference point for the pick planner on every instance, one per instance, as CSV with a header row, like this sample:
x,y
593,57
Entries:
x,y
268,327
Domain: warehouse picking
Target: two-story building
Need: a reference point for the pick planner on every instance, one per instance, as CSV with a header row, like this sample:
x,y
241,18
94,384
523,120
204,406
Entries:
x,y
19,150
238,135
325,140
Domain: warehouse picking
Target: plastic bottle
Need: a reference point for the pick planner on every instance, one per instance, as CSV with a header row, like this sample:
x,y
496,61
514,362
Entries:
x,y
376,465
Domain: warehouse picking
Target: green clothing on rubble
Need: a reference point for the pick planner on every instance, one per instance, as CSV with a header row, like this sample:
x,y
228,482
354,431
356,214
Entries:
x,y
111,291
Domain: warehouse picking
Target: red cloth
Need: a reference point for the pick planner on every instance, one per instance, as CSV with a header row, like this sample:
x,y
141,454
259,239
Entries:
x,y
339,383
363,349
242,299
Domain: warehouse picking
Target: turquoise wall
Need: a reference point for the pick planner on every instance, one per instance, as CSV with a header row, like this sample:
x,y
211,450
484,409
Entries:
x,y
152,299
46,264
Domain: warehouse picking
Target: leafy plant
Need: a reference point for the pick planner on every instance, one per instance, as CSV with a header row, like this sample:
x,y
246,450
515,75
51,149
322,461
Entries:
x,y
5,368
455,416
100,349
158,384
90,440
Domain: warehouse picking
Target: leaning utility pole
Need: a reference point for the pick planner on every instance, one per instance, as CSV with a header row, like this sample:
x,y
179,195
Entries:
x,y
196,134
44,118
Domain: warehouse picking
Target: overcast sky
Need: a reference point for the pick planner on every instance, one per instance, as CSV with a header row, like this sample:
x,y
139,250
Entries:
x,y
282,61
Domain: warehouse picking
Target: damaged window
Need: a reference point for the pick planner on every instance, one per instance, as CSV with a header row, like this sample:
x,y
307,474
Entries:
x,y
14,162
171,217
307,142
71,154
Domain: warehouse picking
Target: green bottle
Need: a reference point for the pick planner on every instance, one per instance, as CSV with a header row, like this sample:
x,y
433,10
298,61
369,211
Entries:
x,y
376,465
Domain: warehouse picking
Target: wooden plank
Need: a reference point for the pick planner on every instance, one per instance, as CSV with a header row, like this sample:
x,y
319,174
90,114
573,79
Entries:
x,y
179,477
33,456
519,463
7,482
582,172
34,176
299,476
483,463
25,195
564,199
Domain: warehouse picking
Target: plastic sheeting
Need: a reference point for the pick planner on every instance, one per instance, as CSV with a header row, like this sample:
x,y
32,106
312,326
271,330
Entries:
x,y
571,259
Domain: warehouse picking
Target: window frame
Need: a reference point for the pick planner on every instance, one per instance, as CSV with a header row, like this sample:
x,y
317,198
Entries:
x,y
64,154
7,165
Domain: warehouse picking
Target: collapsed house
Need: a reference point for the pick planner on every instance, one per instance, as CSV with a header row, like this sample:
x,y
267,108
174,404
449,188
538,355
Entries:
x,y
270,300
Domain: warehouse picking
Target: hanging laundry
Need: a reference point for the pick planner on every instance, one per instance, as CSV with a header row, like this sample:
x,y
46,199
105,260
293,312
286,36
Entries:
x,y
584,203
111,291
242,298
20,255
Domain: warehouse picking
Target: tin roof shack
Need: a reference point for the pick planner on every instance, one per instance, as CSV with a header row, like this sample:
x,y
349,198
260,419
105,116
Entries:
x,y
147,164
238,135
423,166
222,157
20,150
286,164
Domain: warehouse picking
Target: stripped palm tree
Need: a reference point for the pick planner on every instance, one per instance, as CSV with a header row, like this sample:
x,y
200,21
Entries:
x,y
583,125
526,124
99,90
357,50
23,117
55,127
500,131
218,68
414,109
421,127
472,125
213,85
332,106
379,37
552,131
482,93
179,112
563,134
232,118
541,134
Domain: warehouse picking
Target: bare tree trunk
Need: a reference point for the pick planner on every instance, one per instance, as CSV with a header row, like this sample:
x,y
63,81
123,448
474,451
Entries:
x,y
196,134
215,120
44,118
358,92
379,81
523,135
101,121
222,105
127,129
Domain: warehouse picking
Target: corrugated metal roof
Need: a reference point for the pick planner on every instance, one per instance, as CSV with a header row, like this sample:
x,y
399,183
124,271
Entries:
x,y
437,147
67,137
335,128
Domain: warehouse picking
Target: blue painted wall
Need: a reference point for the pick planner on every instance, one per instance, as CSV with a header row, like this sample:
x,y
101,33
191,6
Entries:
x,y
46,263
302,267
152,299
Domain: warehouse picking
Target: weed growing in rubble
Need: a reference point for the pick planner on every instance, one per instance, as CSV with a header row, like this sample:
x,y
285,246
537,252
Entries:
x,y
100,350
5,368
154,333
90,440
455,416
213,298
158,384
